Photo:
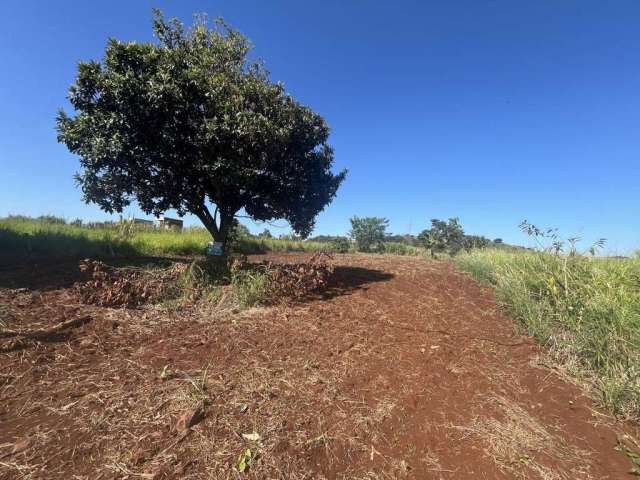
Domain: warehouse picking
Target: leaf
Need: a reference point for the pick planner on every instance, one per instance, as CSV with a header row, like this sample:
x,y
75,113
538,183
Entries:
x,y
245,460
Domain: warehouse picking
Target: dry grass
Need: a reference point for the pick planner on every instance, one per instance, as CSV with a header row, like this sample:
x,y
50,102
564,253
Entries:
x,y
345,387
522,445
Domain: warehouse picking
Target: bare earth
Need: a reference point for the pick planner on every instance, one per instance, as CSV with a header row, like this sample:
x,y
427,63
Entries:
x,y
404,369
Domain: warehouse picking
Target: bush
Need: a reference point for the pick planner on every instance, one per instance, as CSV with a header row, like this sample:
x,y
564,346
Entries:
x,y
341,245
369,232
443,236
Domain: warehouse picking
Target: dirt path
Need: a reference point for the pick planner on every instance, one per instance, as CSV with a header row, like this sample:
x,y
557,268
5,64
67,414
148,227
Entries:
x,y
406,369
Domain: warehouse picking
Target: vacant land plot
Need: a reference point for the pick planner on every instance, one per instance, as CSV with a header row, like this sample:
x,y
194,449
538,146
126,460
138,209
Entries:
x,y
404,368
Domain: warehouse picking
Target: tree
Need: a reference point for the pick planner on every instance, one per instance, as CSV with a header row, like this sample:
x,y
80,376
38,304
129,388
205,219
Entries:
x,y
443,236
189,123
265,234
497,240
340,245
368,232
471,242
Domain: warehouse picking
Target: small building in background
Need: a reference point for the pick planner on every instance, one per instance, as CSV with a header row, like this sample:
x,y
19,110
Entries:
x,y
143,222
167,223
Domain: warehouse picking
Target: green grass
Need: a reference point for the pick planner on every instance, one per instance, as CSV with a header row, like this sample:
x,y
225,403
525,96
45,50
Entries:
x,y
585,309
396,248
23,237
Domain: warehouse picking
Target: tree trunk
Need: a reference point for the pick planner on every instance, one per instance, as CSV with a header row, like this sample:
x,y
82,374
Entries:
x,y
226,222
219,232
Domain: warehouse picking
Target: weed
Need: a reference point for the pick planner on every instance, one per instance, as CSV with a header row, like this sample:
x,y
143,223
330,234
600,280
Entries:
x,y
250,285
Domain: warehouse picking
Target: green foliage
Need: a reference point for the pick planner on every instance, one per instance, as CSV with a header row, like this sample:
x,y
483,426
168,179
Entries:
x,y
251,286
201,279
586,309
443,236
471,242
190,121
396,248
341,245
369,232
238,234
404,239
246,458
450,237
22,237
325,238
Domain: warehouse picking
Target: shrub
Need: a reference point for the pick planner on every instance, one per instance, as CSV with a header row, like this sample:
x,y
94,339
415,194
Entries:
x,y
443,236
368,232
341,245
471,242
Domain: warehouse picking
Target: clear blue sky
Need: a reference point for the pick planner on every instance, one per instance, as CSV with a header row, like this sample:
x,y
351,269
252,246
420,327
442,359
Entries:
x,y
493,111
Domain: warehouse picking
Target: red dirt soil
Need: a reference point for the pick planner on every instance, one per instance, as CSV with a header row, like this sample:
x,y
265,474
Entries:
x,y
405,368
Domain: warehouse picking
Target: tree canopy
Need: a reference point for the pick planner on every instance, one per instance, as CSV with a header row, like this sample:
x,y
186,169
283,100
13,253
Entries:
x,y
190,123
443,236
450,237
368,232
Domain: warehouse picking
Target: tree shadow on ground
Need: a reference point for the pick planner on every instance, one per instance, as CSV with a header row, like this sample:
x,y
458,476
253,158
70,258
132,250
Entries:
x,y
346,279
53,273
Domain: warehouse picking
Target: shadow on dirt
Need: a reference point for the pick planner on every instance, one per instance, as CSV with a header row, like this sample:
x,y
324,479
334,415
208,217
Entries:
x,y
19,340
46,274
49,274
348,279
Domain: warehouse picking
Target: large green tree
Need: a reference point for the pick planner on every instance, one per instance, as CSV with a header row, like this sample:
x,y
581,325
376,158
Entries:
x,y
190,123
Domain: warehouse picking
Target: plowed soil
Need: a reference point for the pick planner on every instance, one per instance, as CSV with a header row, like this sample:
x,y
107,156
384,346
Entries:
x,y
405,368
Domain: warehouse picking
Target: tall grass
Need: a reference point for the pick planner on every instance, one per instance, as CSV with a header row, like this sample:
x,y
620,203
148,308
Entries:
x,y
396,248
48,236
585,309
22,237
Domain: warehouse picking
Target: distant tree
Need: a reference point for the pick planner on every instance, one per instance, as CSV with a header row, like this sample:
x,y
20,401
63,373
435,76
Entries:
x,y
265,234
341,245
443,236
471,242
237,233
190,123
368,232
289,236
240,229
405,239
325,238
497,240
